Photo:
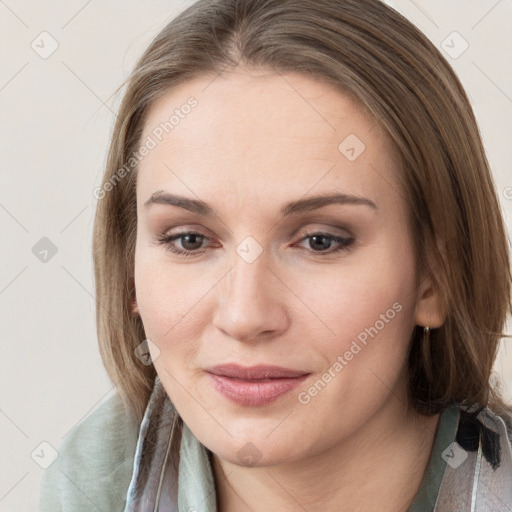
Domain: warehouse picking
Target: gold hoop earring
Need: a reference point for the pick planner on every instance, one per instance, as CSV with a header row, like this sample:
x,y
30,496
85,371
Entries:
x,y
426,334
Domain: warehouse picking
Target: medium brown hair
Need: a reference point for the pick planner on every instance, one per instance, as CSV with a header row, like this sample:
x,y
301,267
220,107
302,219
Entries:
x,y
376,56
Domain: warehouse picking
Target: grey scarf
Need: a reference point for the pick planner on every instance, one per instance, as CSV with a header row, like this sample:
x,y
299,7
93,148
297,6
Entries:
x,y
481,482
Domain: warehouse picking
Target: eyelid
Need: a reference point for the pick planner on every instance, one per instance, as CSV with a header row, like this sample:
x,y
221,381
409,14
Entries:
x,y
302,231
323,229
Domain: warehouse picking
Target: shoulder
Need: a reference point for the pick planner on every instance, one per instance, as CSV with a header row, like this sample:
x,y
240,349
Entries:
x,y
94,464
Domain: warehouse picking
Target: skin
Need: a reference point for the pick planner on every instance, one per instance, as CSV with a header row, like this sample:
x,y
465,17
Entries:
x,y
256,141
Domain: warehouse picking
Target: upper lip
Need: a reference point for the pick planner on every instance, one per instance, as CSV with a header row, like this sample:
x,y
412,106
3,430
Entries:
x,y
254,372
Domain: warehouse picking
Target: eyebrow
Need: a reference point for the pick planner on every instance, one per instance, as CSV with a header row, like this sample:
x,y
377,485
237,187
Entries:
x,y
300,206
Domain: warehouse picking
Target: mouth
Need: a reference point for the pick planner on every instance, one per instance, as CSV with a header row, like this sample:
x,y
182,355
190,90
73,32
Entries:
x,y
254,385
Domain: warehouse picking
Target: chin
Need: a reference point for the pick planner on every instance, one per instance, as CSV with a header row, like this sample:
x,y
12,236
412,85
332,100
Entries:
x,y
256,451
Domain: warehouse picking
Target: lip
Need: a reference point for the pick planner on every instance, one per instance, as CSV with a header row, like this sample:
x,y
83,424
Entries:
x,y
254,385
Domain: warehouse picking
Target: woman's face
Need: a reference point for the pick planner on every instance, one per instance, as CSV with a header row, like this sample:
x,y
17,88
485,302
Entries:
x,y
272,277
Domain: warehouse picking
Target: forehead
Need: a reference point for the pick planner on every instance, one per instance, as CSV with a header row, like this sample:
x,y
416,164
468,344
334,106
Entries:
x,y
252,134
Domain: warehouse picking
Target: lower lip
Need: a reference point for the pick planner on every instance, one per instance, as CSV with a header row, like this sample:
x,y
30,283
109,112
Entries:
x,y
253,392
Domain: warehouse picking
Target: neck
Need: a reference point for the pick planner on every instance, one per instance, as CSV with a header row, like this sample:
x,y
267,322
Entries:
x,y
379,467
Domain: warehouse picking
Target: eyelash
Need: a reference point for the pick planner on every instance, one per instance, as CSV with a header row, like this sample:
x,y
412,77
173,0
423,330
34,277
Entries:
x,y
168,240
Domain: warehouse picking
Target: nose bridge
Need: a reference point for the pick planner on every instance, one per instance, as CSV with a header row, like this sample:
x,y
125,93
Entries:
x,y
248,303
248,282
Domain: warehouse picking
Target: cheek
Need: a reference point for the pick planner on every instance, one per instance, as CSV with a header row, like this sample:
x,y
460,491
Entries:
x,y
172,301
374,288
370,309
363,361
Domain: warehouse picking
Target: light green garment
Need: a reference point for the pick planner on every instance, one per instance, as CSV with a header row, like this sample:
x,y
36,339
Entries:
x,y
196,485
446,430
94,467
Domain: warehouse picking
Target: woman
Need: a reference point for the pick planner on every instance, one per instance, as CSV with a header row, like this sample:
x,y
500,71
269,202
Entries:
x,y
258,369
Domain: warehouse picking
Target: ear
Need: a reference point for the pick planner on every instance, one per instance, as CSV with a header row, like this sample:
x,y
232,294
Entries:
x,y
429,309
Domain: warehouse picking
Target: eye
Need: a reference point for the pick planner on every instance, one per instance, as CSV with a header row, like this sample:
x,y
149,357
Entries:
x,y
322,243
190,241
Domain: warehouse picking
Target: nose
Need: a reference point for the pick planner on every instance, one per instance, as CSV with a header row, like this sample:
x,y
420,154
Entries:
x,y
251,306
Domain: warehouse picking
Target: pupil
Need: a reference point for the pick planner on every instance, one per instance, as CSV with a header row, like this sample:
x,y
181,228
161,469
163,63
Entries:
x,y
321,237
187,237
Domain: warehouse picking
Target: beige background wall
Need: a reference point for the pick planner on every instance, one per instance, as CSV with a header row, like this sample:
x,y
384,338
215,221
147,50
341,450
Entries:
x,y
56,116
